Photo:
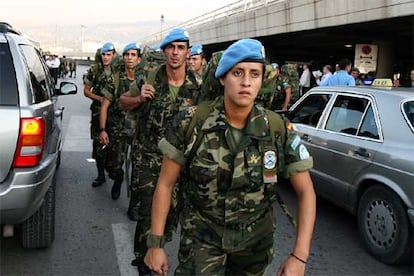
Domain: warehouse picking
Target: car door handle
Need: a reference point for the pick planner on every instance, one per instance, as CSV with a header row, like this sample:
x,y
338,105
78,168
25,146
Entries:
x,y
362,152
306,138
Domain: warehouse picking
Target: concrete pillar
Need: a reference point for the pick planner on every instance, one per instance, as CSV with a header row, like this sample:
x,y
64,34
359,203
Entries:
x,y
385,59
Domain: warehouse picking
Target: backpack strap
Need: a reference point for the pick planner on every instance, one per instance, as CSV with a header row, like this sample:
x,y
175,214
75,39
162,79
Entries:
x,y
197,121
276,123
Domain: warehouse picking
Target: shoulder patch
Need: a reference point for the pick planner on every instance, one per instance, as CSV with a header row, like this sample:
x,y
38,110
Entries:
x,y
303,152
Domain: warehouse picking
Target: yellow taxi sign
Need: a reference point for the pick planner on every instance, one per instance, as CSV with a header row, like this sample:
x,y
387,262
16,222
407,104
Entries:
x,y
382,82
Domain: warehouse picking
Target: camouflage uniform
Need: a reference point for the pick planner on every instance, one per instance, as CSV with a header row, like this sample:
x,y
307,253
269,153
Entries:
x,y
153,118
288,78
211,87
120,124
97,79
268,88
228,221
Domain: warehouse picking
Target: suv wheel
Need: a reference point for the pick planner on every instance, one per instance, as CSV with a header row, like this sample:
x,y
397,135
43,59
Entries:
x,y
38,231
384,226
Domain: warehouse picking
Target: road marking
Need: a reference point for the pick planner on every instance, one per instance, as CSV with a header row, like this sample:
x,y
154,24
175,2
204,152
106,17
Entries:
x,y
124,249
77,137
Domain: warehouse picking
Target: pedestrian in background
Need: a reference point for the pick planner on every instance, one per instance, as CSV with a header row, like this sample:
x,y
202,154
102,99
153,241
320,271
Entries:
x,y
53,64
305,80
228,220
94,81
355,74
341,77
327,73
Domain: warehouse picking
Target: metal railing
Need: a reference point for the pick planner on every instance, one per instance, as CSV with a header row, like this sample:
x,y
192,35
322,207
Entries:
x,y
232,9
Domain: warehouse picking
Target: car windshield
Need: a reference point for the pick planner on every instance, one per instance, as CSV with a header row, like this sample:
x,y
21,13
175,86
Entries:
x,y
408,108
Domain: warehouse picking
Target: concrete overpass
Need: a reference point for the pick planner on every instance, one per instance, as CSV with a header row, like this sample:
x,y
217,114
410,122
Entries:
x,y
318,31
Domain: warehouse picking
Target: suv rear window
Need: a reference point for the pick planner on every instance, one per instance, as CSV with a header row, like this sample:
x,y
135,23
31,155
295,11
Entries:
x,y
8,83
408,108
37,74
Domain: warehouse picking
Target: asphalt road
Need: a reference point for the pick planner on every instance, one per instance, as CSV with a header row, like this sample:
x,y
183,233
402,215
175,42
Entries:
x,y
95,237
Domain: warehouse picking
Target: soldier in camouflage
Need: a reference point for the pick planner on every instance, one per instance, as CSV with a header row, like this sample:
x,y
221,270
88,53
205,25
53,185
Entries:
x,y
286,90
228,220
166,91
120,124
197,61
94,81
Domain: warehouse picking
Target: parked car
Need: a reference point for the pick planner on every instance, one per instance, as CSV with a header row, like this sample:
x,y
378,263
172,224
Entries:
x,y
362,142
30,139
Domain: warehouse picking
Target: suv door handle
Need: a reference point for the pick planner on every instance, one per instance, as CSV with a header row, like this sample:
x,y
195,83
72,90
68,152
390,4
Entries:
x,y
59,112
306,138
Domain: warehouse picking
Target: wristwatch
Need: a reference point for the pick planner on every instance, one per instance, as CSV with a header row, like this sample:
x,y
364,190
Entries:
x,y
102,129
154,241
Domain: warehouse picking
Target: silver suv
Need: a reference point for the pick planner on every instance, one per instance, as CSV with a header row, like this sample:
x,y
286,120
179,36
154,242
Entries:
x,y
30,140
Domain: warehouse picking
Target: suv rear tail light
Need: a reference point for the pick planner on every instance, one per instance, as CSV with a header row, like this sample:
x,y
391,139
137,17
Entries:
x,y
30,146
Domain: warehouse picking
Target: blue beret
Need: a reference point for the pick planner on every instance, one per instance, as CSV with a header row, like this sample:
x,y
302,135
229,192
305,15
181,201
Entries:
x,y
131,46
109,46
275,65
241,50
196,49
178,34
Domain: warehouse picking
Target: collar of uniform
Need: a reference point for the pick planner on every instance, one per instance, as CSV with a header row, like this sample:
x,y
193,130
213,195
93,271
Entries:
x,y
257,123
190,81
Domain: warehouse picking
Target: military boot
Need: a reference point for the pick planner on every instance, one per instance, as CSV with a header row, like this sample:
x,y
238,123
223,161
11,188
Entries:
x,y
101,176
116,189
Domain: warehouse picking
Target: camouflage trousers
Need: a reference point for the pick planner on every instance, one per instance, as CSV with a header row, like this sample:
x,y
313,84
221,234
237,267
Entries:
x,y
116,152
143,184
207,248
97,153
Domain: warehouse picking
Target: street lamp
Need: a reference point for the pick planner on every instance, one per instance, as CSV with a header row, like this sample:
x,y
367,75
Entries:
x,y
162,22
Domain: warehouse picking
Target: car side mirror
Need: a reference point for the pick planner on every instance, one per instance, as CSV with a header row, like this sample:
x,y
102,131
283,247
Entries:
x,y
66,88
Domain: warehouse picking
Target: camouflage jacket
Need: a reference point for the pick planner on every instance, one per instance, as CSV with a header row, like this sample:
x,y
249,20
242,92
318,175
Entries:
x,y
155,115
97,78
124,122
233,186
288,78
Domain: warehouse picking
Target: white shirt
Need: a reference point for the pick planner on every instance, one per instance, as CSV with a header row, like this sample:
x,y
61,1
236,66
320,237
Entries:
x,y
324,78
53,63
305,78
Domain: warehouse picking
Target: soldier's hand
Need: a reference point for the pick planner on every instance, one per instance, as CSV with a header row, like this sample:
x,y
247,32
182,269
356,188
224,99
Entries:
x,y
147,91
157,261
103,138
291,267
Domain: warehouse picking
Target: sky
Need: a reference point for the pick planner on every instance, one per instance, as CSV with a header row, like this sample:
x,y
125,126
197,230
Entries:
x,y
22,13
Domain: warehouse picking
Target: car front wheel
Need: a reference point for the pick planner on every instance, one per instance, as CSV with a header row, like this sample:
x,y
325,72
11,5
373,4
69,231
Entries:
x,y
384,226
